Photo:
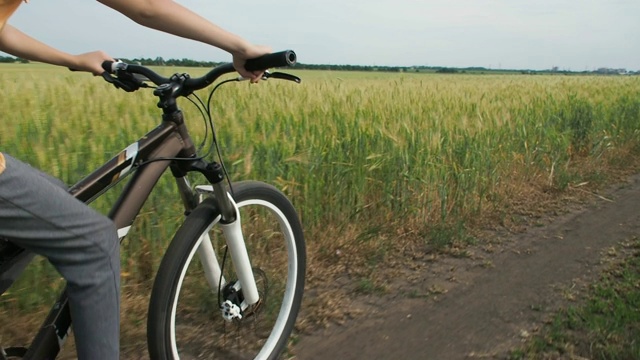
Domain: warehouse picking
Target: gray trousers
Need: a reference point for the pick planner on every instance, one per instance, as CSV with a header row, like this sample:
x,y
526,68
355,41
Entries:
x,y
37,213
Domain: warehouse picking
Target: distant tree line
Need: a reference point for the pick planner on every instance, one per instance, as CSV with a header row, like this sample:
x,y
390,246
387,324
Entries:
x,y
349,67
11,60
159,61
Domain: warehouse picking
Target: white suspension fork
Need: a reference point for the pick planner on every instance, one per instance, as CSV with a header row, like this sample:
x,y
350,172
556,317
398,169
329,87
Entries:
x,y
235,241
210,264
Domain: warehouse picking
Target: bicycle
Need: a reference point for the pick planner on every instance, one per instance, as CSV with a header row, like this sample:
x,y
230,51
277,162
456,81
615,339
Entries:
x,y
196,306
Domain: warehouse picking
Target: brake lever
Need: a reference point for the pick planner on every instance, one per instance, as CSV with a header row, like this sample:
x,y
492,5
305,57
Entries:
x,y
120,84
283,76
125,81
276,75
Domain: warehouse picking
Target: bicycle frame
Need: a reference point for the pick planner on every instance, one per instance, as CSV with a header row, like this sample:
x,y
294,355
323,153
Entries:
x,y
167,146
150,157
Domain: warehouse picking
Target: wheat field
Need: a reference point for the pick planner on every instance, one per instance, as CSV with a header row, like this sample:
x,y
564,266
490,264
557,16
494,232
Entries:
x,y
369,159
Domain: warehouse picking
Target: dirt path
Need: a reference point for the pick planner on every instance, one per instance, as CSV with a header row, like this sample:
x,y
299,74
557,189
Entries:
x,y
490,303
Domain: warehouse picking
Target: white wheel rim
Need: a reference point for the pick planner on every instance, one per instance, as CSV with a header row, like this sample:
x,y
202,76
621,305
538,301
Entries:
x,y
289,294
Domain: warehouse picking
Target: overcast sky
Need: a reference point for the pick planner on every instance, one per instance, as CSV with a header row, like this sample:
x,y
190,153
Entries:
x,y
509,34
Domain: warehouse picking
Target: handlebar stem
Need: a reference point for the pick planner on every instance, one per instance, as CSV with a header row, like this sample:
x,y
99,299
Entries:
x,y
170,91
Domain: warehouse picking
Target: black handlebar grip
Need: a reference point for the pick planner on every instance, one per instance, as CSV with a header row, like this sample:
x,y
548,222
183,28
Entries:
x,y
107,66
264,62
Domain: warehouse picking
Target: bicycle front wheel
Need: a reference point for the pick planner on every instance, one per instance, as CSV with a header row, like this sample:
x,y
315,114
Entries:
x,y
185,320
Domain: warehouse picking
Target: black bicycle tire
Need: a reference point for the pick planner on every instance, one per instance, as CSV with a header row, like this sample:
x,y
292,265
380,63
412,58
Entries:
x,y
165,285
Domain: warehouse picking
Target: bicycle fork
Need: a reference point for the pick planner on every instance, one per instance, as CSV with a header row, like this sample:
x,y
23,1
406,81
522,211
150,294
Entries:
x,y
230,224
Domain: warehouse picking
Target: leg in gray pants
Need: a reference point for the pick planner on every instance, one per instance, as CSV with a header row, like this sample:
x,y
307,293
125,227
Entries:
x,y
37,213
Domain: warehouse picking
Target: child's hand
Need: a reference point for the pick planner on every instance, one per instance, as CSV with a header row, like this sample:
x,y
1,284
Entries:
x,y
92,62
240,59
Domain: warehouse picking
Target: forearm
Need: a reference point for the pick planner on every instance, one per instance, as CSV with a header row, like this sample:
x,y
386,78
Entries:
x,y
17,43
171,17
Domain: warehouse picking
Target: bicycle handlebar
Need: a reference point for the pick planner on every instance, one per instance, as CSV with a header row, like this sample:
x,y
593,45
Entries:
x,y
279,59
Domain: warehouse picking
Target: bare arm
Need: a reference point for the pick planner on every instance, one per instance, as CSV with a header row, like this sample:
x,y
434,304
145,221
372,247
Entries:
x,y
17,43
173,18
163,15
